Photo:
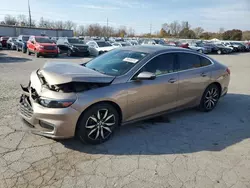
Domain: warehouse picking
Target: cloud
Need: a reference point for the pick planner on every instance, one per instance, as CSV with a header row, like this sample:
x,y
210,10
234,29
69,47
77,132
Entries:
x,y
97,7
228,15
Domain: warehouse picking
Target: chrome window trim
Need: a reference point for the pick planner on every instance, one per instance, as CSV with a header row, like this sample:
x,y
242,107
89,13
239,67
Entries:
x,y
212,63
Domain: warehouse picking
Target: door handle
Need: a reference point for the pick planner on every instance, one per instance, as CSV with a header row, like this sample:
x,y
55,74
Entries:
x,y
203,74
172,80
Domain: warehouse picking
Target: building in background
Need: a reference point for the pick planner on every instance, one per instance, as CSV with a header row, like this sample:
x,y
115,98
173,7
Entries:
x,y
14,31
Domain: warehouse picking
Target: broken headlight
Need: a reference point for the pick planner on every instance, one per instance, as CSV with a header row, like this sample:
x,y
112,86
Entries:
x,y
52,103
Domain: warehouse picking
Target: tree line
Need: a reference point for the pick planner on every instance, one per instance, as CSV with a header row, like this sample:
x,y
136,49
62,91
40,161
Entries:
x,y
174,29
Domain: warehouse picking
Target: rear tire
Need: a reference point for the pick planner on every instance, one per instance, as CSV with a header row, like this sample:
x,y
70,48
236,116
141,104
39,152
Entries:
x,y
96,129
200,51
219,52
210,98
24,50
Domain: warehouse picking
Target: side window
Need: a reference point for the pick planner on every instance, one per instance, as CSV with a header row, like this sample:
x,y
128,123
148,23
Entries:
x,y
161,64
188,61
205,61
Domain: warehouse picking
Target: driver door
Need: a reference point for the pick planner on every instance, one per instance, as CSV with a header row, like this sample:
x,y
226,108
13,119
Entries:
x,y
148,97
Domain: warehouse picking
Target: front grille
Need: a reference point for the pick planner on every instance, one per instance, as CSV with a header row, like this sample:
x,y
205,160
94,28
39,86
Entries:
x,y
25,106
49,47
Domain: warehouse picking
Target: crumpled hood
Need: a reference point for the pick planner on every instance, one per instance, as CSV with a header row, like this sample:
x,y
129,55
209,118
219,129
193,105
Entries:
x,y
61,73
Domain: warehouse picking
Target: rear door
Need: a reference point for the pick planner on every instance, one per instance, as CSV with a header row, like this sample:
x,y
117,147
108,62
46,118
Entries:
x,y
194,77
150,97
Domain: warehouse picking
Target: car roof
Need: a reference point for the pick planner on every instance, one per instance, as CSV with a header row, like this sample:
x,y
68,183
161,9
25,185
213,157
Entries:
x,y
154,48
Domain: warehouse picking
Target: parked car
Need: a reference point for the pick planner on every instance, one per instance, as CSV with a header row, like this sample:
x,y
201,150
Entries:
x,y
240,46
121,44
198,48
223,49
153,42
11,43
3,41
21,43
182,45
72,46
119,87
41,46
133,42
99,47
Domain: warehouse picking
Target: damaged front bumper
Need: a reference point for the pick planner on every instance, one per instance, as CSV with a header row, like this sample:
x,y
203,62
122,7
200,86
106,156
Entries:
x,y
50,122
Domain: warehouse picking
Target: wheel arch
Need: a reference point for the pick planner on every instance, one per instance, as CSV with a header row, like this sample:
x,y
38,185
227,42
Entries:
x,y
115,105
217,84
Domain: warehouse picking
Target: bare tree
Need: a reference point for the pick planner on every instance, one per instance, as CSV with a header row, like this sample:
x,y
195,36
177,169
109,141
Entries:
x,y
69,25
22,20
131,32
198,31
185,25
10,20
175,28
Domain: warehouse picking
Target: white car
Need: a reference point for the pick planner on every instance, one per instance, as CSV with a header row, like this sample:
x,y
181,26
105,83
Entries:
x,y
99,47
121,44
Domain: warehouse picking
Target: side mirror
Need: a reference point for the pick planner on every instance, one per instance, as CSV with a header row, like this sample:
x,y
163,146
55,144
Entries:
x,y
146,76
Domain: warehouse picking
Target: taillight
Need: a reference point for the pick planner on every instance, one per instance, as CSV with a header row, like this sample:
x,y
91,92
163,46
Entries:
x,y
228,71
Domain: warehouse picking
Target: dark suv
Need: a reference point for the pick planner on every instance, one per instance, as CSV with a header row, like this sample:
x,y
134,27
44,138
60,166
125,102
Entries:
x,y
21,43
72,46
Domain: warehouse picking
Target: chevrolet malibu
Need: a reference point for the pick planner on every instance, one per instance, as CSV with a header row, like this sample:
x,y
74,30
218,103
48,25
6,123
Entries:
x,y
125,85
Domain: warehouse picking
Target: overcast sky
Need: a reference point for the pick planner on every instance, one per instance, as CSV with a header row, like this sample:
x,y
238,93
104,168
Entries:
x,y
139,14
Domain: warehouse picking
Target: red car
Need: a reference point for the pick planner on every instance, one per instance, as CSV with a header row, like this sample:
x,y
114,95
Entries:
x,y
41,46
3,40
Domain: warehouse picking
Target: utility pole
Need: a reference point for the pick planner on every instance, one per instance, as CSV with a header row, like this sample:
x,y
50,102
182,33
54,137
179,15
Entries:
x,y
29,13
150,29
107,32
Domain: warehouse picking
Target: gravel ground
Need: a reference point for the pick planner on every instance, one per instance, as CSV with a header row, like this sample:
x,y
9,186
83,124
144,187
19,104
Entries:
x,y
189,149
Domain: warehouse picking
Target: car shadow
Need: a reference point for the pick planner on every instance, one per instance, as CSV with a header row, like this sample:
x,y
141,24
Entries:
x,y
5,58
182,132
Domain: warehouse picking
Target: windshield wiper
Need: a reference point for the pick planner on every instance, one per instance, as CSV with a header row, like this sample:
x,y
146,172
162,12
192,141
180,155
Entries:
x,y
98,70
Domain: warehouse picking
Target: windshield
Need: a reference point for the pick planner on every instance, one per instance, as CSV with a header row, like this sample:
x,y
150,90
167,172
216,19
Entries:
x,y
116,62
26,38
43,40
75,41
103,44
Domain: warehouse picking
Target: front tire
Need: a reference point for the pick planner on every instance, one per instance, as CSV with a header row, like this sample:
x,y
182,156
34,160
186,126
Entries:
x,y
37,55
69,53
200,51
97,124
210,98
28,51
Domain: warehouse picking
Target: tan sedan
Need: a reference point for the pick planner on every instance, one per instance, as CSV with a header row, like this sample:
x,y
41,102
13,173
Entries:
x,y
119,87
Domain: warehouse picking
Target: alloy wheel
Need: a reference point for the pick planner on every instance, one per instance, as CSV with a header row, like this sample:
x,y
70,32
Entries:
x,y
211,98
100,124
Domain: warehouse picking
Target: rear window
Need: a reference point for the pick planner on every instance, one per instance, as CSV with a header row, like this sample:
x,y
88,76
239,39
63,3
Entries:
x,y
205,61
188,61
